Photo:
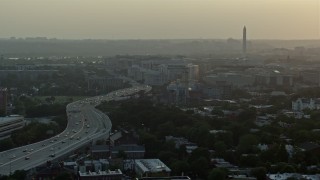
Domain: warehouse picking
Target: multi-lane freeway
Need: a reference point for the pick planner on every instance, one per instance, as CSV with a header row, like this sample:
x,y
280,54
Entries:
x,y
85,124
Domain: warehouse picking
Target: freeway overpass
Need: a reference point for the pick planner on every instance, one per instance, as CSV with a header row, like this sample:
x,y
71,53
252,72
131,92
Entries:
x,y
85,125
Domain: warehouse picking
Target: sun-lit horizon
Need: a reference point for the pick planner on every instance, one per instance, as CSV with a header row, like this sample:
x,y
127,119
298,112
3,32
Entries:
x,y
160,19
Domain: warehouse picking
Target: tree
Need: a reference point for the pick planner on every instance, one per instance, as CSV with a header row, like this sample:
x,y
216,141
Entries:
x,y
122,154
226,137
167,156
64,176
288,169
217,174
282,154
247,115
249,160
259,173
52,98
100,142
6,144
220,148
18,174
199,133
200,167
179,167
199,152
165,129
247,144
217,112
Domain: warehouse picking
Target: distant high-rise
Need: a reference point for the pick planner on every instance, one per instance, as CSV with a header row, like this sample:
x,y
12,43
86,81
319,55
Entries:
x,y
244,41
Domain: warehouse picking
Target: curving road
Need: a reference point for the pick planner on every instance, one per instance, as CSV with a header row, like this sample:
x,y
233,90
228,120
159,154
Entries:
x,y
85,124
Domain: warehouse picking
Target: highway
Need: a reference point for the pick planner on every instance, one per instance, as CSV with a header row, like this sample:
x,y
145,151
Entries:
x,y
85,124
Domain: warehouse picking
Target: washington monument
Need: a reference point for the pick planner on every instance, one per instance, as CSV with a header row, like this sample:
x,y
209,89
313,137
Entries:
x,y
244,42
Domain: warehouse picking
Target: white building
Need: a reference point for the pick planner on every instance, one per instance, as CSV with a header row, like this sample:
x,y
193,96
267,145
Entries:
x,y
179,91
105,83
180,141
234,79
154,78
157,73
262,121
310,77
274,78
193,72
9,124
135,72
285,176
304,103
151,168
177,71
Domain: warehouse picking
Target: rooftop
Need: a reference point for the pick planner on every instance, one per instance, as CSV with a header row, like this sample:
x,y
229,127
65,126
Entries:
x,y
101,173
152,165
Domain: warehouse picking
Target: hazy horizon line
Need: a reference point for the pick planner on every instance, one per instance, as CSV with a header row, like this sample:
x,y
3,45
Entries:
x,y
128,39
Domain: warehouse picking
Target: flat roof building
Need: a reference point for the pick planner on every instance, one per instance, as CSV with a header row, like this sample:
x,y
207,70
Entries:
x,y
105,175
151,168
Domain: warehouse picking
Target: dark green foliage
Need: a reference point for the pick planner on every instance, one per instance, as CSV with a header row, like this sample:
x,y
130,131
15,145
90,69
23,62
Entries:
x,y
247,144
259,173
247,115
217,174
179,167
64,176
45,110
199,152
17,175
6,144
237,144
122,154
276,153
200,166
220,147
249,160
34,132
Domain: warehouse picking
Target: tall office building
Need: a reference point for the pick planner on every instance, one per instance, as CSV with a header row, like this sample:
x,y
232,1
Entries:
x,y
244,41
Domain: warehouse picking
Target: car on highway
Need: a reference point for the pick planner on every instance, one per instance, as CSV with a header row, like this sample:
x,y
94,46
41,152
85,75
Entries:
x,y
52,155
27,158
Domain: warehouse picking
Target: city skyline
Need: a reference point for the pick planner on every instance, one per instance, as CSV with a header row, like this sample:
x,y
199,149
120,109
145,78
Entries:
x,y
165,19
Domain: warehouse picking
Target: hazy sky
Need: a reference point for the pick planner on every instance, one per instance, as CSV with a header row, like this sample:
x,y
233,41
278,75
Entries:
x,y
160,19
